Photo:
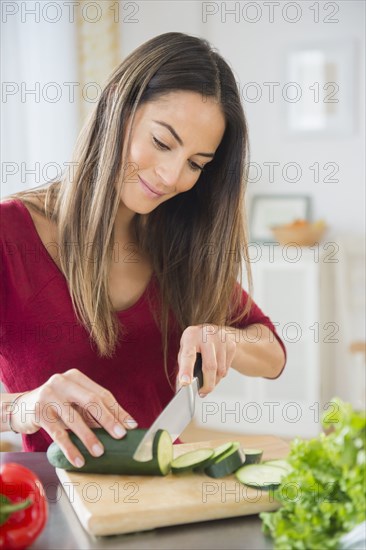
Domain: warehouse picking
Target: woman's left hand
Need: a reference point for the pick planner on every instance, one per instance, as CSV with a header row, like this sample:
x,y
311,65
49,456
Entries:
x,y
217,346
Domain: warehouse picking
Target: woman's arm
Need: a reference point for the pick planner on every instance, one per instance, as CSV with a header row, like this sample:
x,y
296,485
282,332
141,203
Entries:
x,y
6,400
253,351
258,352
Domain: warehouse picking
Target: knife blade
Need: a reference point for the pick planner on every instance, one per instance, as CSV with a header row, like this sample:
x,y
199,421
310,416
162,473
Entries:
x,y
176,415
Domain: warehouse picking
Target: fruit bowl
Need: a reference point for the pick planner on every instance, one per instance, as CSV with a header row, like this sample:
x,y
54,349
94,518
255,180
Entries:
x,y
299,232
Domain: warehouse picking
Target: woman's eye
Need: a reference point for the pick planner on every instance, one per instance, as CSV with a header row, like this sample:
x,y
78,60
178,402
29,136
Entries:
x,y
164,147
159,144
196,167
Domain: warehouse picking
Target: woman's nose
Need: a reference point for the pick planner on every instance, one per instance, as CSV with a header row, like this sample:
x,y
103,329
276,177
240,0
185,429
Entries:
x,y
169,173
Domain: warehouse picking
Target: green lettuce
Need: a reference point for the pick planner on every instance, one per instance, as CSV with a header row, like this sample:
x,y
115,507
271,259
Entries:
x,y
323,497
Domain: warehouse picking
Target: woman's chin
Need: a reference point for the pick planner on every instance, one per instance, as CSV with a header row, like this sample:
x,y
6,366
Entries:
x,y
138,206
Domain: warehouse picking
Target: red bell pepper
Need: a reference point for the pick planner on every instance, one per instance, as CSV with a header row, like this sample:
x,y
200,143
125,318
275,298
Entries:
x,y
23,507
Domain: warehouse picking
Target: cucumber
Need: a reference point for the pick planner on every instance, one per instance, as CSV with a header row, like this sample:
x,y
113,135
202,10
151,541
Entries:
x,y
262,476
188,461
117,457
252,456
226,463
280,464
218,451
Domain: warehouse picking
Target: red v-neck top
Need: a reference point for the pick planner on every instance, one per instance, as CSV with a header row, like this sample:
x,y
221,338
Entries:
x,y
40,334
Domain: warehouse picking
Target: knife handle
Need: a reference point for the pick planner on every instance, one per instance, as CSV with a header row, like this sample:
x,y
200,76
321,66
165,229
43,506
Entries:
x,y
197,372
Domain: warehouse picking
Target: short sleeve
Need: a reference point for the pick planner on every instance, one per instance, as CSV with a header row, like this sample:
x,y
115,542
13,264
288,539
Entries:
x,y
255,316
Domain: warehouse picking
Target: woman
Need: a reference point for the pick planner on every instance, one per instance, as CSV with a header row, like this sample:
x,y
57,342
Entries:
x,y
117,275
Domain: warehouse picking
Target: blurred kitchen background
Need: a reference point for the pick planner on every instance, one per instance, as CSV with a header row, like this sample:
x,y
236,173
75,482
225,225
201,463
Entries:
x,y
300,71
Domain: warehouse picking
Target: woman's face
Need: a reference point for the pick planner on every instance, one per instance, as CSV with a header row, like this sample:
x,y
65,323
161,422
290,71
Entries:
x,y
172,139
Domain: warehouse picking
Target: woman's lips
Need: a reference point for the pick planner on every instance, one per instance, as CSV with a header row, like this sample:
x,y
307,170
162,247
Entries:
x,y
149,190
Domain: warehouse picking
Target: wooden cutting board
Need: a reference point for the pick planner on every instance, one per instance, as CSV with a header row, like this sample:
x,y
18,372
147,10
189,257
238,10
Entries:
x,y
114,504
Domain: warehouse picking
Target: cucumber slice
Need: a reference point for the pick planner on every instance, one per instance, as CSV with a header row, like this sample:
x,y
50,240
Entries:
x,y
189,460
117,457
227,462
280,464
218,451
261,475
252,456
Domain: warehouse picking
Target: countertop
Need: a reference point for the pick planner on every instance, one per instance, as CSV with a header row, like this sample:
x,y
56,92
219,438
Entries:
x,y
63,530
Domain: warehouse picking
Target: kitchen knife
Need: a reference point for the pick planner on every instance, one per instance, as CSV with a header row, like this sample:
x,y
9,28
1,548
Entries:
x,y
176,415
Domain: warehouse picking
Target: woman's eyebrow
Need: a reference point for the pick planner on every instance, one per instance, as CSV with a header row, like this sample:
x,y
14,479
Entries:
x,y
179,139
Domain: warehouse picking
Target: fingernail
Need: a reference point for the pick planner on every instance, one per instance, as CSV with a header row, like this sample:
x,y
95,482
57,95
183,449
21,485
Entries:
x,y
79,462
185,379
131,423
97,449
202,394
119,431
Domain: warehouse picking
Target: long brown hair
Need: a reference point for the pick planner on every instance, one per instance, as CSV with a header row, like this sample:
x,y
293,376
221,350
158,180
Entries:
x,y
197,239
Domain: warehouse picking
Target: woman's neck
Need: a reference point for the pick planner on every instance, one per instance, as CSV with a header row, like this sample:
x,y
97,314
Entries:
x,y
123,222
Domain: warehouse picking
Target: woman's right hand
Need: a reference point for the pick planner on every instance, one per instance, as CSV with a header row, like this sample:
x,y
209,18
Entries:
x,y
71,400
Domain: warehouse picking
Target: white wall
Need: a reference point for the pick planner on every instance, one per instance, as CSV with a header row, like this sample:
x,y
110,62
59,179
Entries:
x,y
146,19
257,53
38,130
